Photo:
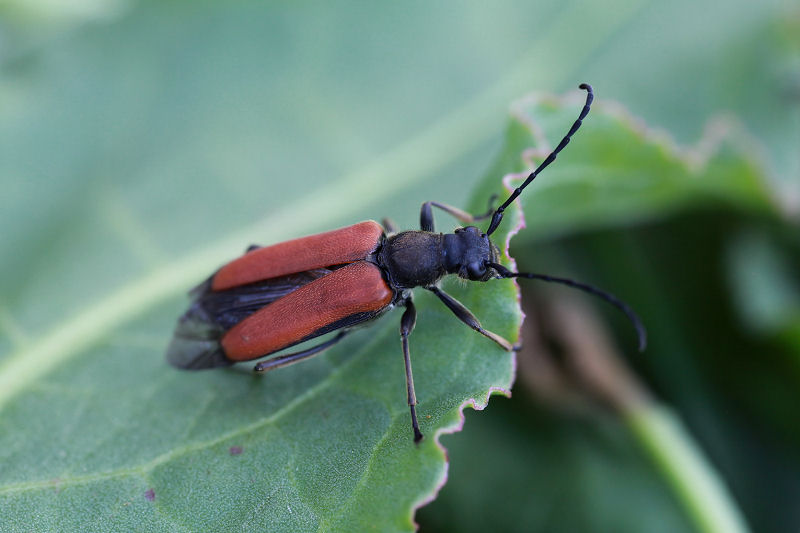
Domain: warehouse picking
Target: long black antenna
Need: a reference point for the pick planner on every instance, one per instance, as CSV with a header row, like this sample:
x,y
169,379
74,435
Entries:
x,y
641,332
497,217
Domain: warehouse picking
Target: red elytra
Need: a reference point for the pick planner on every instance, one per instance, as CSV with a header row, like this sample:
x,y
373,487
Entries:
x,y
300,315
340,246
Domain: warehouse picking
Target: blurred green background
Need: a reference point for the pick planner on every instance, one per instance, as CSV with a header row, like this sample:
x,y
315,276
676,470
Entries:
x,y
134,133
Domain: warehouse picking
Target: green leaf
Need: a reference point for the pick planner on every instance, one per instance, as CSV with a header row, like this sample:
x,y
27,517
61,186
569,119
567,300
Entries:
x,y
96,430
311,446
142,144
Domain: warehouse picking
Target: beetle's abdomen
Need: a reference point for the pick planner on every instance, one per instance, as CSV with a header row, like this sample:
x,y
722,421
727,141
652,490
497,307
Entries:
x,y
414,258
337,247
349,295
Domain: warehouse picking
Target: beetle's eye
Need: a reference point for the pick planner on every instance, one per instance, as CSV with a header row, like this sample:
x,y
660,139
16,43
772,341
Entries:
x,y
476,270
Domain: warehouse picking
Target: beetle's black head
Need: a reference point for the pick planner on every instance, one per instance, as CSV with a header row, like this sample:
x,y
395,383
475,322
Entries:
x,y
467,252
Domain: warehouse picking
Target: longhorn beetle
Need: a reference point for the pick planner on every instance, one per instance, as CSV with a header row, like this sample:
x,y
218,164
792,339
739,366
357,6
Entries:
x,y
278,296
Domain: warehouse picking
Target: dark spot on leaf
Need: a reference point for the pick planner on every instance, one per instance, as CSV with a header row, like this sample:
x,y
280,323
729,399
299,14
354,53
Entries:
x,y
150,495
235,450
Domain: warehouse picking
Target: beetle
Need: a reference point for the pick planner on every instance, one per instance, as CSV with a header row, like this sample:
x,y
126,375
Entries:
x,y
278,296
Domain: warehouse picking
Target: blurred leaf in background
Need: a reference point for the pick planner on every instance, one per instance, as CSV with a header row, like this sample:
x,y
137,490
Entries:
x,y
144,143
691,201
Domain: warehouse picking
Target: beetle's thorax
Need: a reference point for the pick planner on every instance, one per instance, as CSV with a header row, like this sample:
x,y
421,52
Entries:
x,y
422,258
413,259
467,250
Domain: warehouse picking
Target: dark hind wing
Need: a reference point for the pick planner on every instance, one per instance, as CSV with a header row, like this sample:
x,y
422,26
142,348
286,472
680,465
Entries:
x,y
196,341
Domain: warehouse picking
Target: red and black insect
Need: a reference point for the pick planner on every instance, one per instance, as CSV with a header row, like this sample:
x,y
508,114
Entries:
x,y
278,296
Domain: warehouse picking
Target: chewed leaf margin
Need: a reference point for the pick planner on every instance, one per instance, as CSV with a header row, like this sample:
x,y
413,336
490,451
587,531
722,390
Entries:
x,y
516,222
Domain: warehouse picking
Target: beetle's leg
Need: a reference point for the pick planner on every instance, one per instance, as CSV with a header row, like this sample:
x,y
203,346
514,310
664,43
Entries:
x,y
426,213
466,316
389,225
426,217
291,358
406,327
252,247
